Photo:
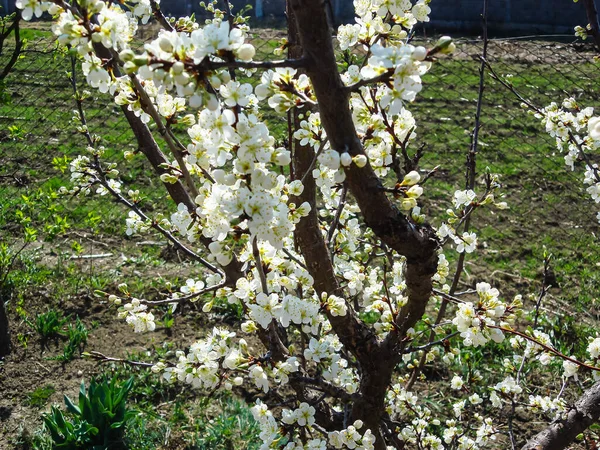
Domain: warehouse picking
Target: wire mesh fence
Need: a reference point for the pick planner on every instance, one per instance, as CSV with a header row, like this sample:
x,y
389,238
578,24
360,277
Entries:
x,y
36,117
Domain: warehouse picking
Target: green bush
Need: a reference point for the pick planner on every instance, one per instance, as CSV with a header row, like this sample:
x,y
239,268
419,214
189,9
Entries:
x,y
97,422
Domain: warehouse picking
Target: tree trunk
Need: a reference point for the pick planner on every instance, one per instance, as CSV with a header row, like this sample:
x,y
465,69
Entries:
x,y
4,331
417,243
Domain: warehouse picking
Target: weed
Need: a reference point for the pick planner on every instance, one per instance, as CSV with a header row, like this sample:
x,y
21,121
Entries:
x,y
77,336
233,427
40,396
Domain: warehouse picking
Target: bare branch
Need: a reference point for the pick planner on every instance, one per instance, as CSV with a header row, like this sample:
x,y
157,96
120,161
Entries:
x,y
159,16
186,298
18,45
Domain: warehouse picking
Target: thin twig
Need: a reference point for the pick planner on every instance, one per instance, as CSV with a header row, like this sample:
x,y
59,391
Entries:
x,y
546,347
259,267
293,258
336,219
431,344
150,109
314,161
159,16
543,291
103,358
385,76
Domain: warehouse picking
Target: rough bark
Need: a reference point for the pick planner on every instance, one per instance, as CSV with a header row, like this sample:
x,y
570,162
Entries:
x,y
562,433
355,335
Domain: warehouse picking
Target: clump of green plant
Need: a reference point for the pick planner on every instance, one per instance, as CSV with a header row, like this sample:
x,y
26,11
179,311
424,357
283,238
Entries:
x,y
77,336
39,397
49,325
98,420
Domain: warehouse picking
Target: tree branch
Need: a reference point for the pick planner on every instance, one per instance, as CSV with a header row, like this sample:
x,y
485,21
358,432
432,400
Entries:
x,y
561,433
18,45
417,243
355,335
592,16
385,76
159,16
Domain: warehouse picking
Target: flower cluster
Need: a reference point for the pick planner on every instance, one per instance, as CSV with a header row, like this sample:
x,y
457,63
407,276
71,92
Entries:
x,y
202,366
135,314
577,134
477,323
464,203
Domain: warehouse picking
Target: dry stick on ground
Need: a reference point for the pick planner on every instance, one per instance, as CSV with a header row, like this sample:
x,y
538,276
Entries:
x,y
470,184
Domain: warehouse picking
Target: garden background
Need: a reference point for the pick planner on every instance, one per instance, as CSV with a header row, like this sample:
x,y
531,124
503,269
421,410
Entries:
x,y
82,246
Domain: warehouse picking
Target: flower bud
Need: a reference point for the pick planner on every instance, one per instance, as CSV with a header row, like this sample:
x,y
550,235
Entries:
x,y
141,60
411,178
126,55
177,68
443,43
246,52
188,120
345,159
165,44
195,101
360,161
213,103
420,53
415,192
249,327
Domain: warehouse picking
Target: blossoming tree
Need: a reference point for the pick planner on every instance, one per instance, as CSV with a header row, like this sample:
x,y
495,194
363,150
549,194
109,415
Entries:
x,y
343,284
